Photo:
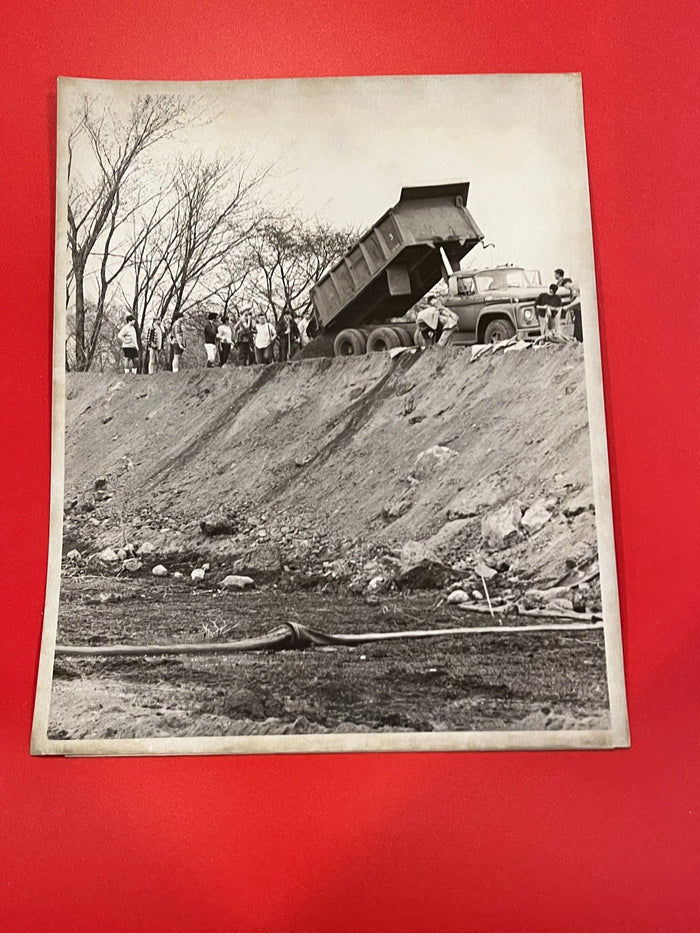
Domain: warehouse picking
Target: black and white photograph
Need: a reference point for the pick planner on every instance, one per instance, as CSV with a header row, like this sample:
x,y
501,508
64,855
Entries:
x,y
329,463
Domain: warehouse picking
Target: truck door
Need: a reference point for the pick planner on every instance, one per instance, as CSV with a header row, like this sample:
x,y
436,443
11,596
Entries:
x,y
464,302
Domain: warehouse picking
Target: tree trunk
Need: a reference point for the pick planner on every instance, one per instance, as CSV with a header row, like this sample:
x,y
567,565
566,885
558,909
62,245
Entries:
x,y
80,355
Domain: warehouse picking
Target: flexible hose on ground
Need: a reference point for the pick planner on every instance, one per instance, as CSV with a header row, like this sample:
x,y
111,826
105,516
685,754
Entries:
x,y
294,636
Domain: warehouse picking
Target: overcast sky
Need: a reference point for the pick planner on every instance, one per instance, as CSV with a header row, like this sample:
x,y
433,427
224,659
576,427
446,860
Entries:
x,y
344,147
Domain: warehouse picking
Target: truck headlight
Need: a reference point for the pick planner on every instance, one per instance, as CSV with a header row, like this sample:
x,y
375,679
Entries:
x,y
528,314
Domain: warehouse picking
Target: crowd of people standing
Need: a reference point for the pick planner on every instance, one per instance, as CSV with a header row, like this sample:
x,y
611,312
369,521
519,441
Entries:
x,y
245,339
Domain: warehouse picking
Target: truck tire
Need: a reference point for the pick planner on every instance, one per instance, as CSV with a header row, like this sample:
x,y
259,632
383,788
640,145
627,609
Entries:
x,y
405,336
499,328
350,342
382,339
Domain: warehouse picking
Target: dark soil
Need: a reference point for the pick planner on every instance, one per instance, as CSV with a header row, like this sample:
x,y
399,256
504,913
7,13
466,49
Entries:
x,y
473,682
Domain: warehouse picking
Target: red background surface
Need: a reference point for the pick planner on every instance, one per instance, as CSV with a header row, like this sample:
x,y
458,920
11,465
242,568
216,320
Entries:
x,y
576,841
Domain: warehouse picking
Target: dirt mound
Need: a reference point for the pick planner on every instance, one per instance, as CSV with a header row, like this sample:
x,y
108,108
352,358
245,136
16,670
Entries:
x,y
323,465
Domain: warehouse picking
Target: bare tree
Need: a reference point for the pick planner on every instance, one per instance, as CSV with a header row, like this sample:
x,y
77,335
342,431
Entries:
x,y
214,216
116,145
289,255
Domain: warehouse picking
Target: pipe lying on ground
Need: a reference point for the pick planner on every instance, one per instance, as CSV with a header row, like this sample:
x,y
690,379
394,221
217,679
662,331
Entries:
x,y
294,636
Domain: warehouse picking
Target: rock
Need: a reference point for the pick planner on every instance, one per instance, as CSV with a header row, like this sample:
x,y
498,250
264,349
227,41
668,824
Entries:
x,y
145,548
106,419
122,553
100,483
535,517
432,459
264,559
197,575
477,594
73,555
419,567
583,502
399,505
237,581
132,564
177,575
458,596
159,571
108,555
223,522
499,529
94,522
377,585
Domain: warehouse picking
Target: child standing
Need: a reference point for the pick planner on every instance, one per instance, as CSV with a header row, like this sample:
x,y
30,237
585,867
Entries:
x,y
130,344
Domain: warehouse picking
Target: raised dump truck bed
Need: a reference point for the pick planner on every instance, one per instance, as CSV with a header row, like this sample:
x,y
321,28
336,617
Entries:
x,y
398,259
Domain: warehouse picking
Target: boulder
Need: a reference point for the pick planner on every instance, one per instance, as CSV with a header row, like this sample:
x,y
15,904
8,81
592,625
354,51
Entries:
x,y
159,571
499,529
177,575
197,575
145,548
132,564
419,568
237,581
458,596
263,559
100,483
223,522
431,460
108,555
535,517
73,555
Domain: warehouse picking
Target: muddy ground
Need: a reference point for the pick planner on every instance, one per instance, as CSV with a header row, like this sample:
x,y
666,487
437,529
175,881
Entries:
x,y
489,682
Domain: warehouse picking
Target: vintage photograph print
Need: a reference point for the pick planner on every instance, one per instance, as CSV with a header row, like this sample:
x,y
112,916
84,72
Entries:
x,y
329,452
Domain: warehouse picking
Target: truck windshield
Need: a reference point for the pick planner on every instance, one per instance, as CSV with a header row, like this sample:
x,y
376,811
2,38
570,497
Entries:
x,y
501,278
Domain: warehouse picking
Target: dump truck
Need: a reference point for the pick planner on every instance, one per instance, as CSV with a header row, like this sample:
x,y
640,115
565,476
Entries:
x,y
361,298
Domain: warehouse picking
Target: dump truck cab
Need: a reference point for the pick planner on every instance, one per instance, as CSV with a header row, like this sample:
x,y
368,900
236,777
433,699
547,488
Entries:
x,y
494,304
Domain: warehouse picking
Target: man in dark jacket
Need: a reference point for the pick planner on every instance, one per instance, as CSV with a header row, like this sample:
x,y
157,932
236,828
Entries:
x,y
210,329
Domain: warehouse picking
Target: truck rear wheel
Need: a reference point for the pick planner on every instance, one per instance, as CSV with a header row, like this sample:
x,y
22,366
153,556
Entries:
x,y
350,342
382,339
499,329
404,336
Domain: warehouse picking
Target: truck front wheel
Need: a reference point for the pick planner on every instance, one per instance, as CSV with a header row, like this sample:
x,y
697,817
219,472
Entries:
x,y
350,342
499,329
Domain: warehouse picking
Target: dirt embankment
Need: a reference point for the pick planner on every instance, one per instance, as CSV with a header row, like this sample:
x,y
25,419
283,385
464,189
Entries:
x,y
315,466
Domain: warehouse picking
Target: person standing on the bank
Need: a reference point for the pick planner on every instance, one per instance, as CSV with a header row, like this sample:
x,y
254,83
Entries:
x,y
129,340
243,338
210,331
154,342
573,305
547,309
224,339
287,332
265,334
177,340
